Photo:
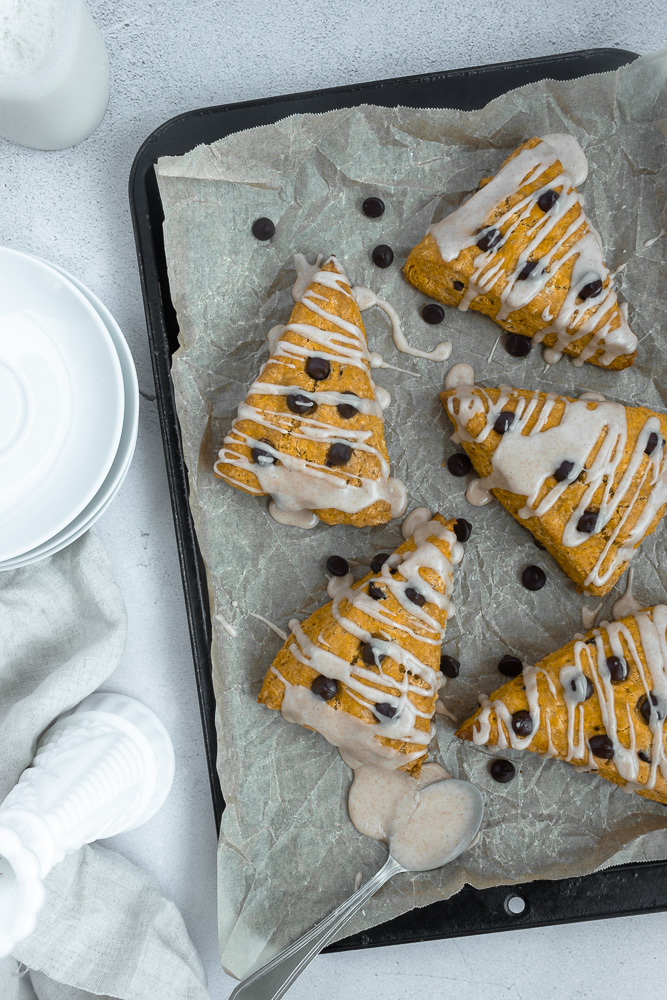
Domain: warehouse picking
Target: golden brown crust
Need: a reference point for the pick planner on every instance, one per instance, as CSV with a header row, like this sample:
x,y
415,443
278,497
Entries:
x,y
342,378
322,624
628,693
576,562
427,271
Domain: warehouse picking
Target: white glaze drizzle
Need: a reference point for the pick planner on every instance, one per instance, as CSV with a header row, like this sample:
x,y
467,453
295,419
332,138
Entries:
x,y
298,486
376,793
523,462
365,298
627,603
593,396
461,229
441,709
460,374
590,661
426,821
377,361
228,627
274,628
649,243
588,615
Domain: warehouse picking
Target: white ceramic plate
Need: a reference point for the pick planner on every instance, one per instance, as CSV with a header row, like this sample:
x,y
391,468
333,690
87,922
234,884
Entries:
x,y
62,403
123,459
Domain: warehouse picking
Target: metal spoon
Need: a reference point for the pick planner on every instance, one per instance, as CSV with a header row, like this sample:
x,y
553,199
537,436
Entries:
x,y
274,979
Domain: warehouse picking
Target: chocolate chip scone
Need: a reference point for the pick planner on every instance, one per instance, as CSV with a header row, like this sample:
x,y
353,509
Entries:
x,y
598,703
587,477
522,251
364,670
310,432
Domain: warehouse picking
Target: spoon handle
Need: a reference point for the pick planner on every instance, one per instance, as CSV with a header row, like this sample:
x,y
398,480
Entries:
x,y
274,979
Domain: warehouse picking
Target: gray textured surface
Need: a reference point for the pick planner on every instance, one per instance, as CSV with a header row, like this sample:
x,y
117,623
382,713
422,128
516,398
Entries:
x,y
71,207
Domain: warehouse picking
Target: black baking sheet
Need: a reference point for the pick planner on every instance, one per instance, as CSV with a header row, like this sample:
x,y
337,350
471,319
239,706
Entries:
x,y
618,891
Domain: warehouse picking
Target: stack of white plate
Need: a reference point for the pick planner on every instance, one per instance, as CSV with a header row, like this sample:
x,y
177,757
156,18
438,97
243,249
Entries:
x,y
69,409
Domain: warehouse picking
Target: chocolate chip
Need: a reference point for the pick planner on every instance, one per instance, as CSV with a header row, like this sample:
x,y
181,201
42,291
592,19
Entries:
x,y
591,290
651,444
298,403
522,723
373,207
378,561
618,669
263,458
449,665
339,454
382,255
533,578
458,285
337,566
368,654
563,471
414,596
602,747
504,421
517,346
433,314
325,687
346,410
384,708
547,200
587,522
644,756
462,529
644,707
527,269
502,770
263,229
510,666
490,239
377,593
318,368
459,464
590,690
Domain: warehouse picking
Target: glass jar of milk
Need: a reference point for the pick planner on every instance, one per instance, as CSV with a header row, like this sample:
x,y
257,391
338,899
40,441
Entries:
x,y
54,73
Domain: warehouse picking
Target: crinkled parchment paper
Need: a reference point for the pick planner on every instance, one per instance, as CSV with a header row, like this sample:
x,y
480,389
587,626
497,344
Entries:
x,y
288,852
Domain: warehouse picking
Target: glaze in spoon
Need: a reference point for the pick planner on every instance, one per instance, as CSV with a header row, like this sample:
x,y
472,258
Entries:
x,y
453,808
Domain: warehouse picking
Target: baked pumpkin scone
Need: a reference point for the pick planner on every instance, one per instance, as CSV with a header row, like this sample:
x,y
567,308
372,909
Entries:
x,y
587,477
522,251
364,670
310,432
600,703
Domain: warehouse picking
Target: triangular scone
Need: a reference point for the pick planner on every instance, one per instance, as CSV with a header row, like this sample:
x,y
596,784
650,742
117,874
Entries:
x,y
522,251
311,431
599,703
587,477
364,670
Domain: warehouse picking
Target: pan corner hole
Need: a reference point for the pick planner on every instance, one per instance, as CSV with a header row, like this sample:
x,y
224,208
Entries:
x,y
515,905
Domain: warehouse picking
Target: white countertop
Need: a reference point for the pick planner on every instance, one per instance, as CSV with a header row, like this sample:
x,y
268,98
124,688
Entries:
x,y
71,207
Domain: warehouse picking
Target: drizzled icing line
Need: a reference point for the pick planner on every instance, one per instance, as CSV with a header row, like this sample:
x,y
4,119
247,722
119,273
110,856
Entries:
x,y
579,247
592,435
645,659
297,485
418,683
